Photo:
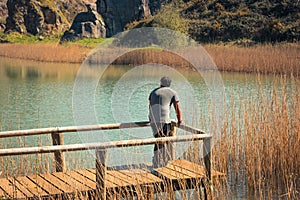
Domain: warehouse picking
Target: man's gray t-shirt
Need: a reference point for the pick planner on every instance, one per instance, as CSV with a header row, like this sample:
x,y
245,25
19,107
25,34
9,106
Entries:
x,y
160,101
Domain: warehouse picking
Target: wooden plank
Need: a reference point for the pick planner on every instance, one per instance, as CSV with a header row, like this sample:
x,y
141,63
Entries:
x,y
31,186
22,188
171,174
130,181
91,174
10,189
116,180
113,179
82,179
42,183
2,193
58,183
71,181
196,168
184,171
190,166
145,177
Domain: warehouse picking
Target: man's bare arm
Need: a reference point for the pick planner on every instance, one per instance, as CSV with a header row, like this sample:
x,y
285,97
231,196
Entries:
x,y
178,112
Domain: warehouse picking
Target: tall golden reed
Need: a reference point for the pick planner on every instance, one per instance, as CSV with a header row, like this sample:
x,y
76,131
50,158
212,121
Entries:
x,y
260,144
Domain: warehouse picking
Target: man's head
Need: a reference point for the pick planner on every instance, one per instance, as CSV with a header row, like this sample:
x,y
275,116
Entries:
x,y
165,81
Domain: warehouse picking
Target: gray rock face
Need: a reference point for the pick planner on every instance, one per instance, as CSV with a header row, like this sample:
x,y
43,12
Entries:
x,y
34,17
86,25
117,13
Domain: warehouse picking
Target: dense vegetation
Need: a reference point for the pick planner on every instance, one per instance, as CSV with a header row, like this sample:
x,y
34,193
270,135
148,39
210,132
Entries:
x,y
231,20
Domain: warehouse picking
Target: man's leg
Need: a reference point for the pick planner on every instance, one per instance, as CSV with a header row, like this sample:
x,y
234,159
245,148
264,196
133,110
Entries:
x,y
157,159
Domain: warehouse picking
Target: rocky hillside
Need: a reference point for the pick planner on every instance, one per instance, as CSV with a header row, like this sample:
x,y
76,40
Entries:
x,y
226,20
231,20
3,14
204,20
69,8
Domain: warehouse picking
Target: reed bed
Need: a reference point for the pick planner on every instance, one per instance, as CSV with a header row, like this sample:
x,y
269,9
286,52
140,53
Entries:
x,y
44,52
259,145
282,58
265,58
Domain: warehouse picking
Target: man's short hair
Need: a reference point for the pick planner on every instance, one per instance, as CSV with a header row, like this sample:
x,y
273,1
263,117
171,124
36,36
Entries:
x,y
165,81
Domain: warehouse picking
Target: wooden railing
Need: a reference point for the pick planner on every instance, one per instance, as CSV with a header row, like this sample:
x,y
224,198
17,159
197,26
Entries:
x,y
59,147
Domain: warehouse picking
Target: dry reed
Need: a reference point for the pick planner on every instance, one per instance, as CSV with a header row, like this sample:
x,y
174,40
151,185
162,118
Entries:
x,y
260,145
267,58
264,58
44,52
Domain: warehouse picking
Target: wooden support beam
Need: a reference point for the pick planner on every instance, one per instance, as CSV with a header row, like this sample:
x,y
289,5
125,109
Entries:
x,y
207,156
101,169
59,156
207,163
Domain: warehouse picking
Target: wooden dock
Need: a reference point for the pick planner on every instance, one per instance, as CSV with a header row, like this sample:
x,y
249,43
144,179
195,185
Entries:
x,y
102,182
78,184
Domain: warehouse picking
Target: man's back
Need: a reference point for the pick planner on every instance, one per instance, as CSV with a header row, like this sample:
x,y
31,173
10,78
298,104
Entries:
x,y
160,101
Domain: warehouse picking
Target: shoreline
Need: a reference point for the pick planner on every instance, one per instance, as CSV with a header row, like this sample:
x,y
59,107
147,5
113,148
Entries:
x,y
280,59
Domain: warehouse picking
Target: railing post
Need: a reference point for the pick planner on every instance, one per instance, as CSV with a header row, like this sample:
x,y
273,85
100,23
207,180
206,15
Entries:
x,y
101,155
59,156
207,156
207,164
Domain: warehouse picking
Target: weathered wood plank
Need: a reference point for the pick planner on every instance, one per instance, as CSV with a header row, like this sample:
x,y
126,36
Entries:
x,y
129,180
42,183
184,171
22,188
72,182
144,177
116,180
2,193
82,179
197,168
190,166
92,176
171,174
10,189
177,175
58,183
32,187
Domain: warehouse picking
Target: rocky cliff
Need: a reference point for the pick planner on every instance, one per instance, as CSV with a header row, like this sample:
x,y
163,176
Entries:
x,y
52,16
87,24
117,13
35,17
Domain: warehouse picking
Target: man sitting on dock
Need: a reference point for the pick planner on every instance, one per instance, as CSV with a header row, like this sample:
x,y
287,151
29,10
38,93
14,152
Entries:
x,y
160,101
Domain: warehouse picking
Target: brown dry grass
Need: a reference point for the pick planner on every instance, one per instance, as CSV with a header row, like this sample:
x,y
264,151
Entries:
x,y
260,145
268,59
44,52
